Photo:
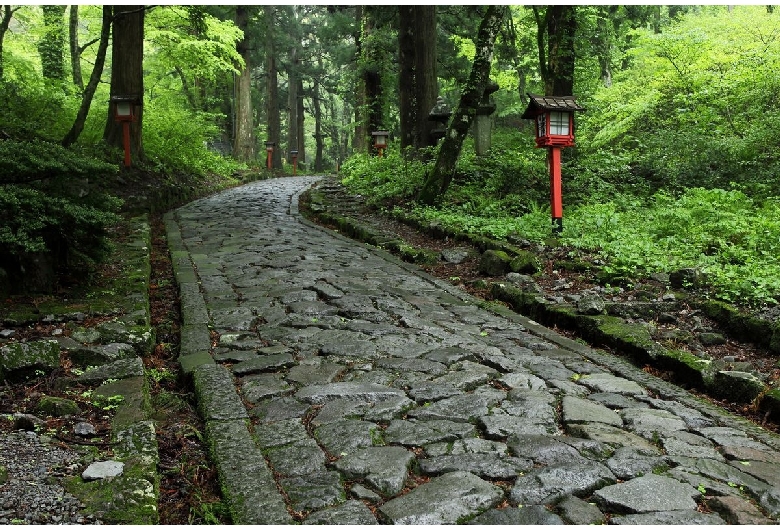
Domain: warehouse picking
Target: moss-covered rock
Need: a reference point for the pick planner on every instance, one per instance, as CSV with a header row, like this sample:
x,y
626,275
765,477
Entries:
x,y
55,406
525,263
20,359
742,387
494,263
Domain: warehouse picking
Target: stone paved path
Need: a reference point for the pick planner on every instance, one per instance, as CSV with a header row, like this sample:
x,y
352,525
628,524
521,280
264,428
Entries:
x,y
339,385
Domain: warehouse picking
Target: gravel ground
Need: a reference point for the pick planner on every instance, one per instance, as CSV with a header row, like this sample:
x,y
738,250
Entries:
x,y
32,468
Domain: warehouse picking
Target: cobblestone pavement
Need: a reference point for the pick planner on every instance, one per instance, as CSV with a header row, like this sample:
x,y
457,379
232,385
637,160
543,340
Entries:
x,y
340,385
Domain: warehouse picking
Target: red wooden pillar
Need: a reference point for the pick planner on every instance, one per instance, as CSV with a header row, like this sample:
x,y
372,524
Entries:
x,y
556,193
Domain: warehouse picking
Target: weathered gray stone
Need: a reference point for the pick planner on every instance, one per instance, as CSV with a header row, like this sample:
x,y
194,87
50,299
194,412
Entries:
x,y
429,391
103,469
302,457
729,437
523,381
737,386
388,409
649,421
418,433
313,491
577,410
590,304
368,392
489,466
689,445
263,363
383,468
101,354
447,499
345,436
466,446
628,463
462,408
649,493
449,355
609,434
412,365
551,484
350,513
494,263
601,382
279,408
543,449
280,433
668,518
526,515
314,374
258,387
577,511
121,369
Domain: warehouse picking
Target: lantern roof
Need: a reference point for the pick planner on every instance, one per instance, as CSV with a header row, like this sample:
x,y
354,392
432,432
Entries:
x,y
536,102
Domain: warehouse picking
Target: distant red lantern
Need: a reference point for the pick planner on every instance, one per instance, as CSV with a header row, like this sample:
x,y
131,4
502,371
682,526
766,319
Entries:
x,y
554,128
380,141
124,113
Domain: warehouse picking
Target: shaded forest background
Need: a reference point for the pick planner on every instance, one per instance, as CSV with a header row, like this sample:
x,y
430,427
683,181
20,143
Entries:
x,y
676,163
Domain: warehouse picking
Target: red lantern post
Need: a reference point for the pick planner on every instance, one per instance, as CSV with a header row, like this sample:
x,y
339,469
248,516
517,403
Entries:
x,y
554,120
294,156
269,149
380,141
124,114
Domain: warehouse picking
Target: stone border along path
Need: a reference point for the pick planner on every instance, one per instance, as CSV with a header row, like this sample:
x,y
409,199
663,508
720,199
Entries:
x,y
342,386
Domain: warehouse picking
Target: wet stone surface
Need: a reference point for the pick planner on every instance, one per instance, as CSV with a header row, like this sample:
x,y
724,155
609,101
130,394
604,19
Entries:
x,y
372,393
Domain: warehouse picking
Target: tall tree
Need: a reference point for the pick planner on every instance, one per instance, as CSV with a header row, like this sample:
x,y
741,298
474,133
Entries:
x,y
52,44
244,143
127,75
293,119
438,180
556,31
274,129
5,21
75,50
94,80
417,80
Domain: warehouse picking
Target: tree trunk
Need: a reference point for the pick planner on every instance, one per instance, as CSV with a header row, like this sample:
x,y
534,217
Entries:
x,y
315,103
244,145
556,52
301,124
272,89
75,51
417,75
359,143
127,75
52,44
5,21
561,32
441,175
292,104
94,80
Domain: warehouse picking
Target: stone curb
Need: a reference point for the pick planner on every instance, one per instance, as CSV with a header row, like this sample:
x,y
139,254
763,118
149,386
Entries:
x,y
245,479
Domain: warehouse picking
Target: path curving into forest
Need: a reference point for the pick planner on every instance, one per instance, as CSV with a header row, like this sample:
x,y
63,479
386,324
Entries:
x,y
342,386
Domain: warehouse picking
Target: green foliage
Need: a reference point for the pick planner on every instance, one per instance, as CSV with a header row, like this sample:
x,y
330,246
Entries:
x,y
35,160
175,141
382,180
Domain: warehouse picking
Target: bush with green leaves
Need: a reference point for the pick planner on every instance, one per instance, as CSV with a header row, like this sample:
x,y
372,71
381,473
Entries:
x,y
48,206
390,179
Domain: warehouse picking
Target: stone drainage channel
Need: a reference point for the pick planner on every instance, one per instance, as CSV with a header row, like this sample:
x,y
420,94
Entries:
x,y
340,385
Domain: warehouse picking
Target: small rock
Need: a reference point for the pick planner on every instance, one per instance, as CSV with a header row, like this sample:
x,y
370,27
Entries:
x,y
7,333
455,255
669,297
84,429
712,339
103,469
667,318
27,422
590,305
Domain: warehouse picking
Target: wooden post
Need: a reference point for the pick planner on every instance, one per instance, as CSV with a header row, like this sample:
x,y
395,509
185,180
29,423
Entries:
x,y
556,199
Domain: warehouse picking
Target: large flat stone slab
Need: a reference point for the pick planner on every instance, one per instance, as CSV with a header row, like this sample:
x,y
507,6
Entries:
x,y
648,493
551,484
383,468
444,500
368,392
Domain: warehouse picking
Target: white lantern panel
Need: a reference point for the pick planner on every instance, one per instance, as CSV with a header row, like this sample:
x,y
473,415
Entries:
x,y
559,123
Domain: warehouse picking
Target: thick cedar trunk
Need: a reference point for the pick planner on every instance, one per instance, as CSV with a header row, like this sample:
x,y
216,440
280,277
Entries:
x,y
417,79
75,51
561,30
127,76
94,80
317,108
359,138
292,104
272,89
52,44
441,175
301,123
244,140
556,53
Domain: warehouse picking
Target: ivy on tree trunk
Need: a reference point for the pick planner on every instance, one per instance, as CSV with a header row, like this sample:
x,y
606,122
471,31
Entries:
x,y
439,178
